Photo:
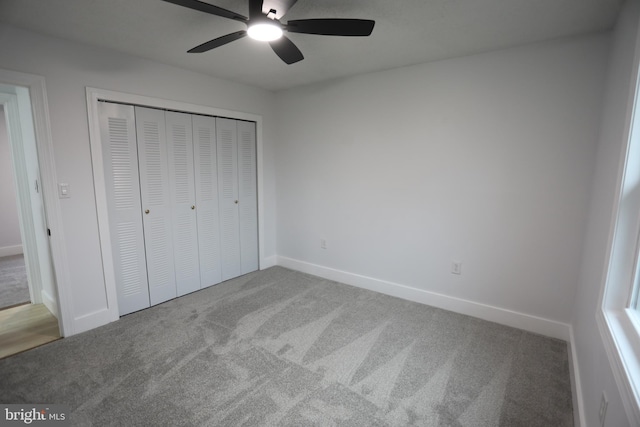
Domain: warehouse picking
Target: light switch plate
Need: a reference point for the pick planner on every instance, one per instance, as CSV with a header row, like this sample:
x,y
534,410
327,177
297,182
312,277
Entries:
x,y
63,190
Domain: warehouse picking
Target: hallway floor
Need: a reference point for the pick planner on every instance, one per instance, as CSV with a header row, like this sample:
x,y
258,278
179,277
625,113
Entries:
x,y
25,327
14,288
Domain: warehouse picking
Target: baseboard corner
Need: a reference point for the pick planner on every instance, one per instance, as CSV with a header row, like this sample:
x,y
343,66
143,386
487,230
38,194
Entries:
x,y
50,303
268,262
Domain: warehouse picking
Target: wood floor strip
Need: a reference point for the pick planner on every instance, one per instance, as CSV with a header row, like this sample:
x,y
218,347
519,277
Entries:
x,y
25,327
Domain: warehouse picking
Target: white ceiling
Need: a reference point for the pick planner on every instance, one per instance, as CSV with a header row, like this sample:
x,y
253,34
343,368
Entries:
x,y
406,32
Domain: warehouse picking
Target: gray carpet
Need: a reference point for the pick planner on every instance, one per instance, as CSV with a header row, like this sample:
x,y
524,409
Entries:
x,y
14,288
280,347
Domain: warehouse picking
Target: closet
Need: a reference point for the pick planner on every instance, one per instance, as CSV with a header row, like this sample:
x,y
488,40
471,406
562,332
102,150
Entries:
x,y
182,201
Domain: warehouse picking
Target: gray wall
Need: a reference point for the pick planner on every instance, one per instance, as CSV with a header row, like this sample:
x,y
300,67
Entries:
x,y
484,159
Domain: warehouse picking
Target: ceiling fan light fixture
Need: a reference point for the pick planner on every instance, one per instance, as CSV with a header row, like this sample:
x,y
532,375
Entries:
x,y
267,27
265,31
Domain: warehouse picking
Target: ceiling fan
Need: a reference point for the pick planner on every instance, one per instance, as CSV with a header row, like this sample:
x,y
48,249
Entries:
x,y
264,24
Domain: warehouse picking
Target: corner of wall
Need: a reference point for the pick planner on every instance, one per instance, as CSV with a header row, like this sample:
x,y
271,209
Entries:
x,y
50,303
269,261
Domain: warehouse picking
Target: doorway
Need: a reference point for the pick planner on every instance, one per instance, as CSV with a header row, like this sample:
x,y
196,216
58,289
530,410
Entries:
x,y
14,284
28,306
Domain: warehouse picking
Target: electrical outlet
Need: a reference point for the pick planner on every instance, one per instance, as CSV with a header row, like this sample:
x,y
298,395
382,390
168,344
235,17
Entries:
x,y
456,267
603,408
323,244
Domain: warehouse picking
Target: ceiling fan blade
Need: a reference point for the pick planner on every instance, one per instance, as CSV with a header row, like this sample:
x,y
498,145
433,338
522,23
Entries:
x,y
255,9
209,8
280,6
286,50
220,41
332,27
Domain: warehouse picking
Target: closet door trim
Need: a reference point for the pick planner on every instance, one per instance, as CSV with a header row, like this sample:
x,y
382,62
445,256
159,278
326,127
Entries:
x,y
94,96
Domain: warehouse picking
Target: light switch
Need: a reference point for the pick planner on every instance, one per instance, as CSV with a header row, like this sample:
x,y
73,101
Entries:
x,y
63,191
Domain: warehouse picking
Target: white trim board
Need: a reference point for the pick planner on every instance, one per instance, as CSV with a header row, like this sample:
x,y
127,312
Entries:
x,y
50,303
11,250
538,325
579,418
614,346
94,95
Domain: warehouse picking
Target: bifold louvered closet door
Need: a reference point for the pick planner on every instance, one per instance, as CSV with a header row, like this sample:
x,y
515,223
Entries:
x,y
181,194
122,185
183,201
156,202
238,196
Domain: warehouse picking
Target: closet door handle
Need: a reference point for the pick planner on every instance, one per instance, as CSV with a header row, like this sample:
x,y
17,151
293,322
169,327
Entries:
x,y
146,211
236,202
193,207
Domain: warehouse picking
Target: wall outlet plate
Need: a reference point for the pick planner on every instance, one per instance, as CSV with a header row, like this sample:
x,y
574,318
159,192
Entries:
x,y
456,267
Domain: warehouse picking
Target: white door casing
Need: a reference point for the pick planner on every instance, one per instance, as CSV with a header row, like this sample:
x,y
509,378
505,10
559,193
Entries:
x,y
29,192
35,85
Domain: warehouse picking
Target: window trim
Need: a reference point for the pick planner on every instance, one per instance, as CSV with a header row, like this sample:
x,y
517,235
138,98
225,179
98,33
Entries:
x,y
618,332
618,324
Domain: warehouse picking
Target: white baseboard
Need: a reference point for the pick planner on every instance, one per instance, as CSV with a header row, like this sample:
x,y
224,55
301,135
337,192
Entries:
x,y
11,250
579,419
50,303
90,321
538,325
268,262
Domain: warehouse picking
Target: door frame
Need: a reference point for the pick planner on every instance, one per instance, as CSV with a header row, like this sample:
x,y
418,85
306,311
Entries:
x,y
53,212
22,185
94,96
